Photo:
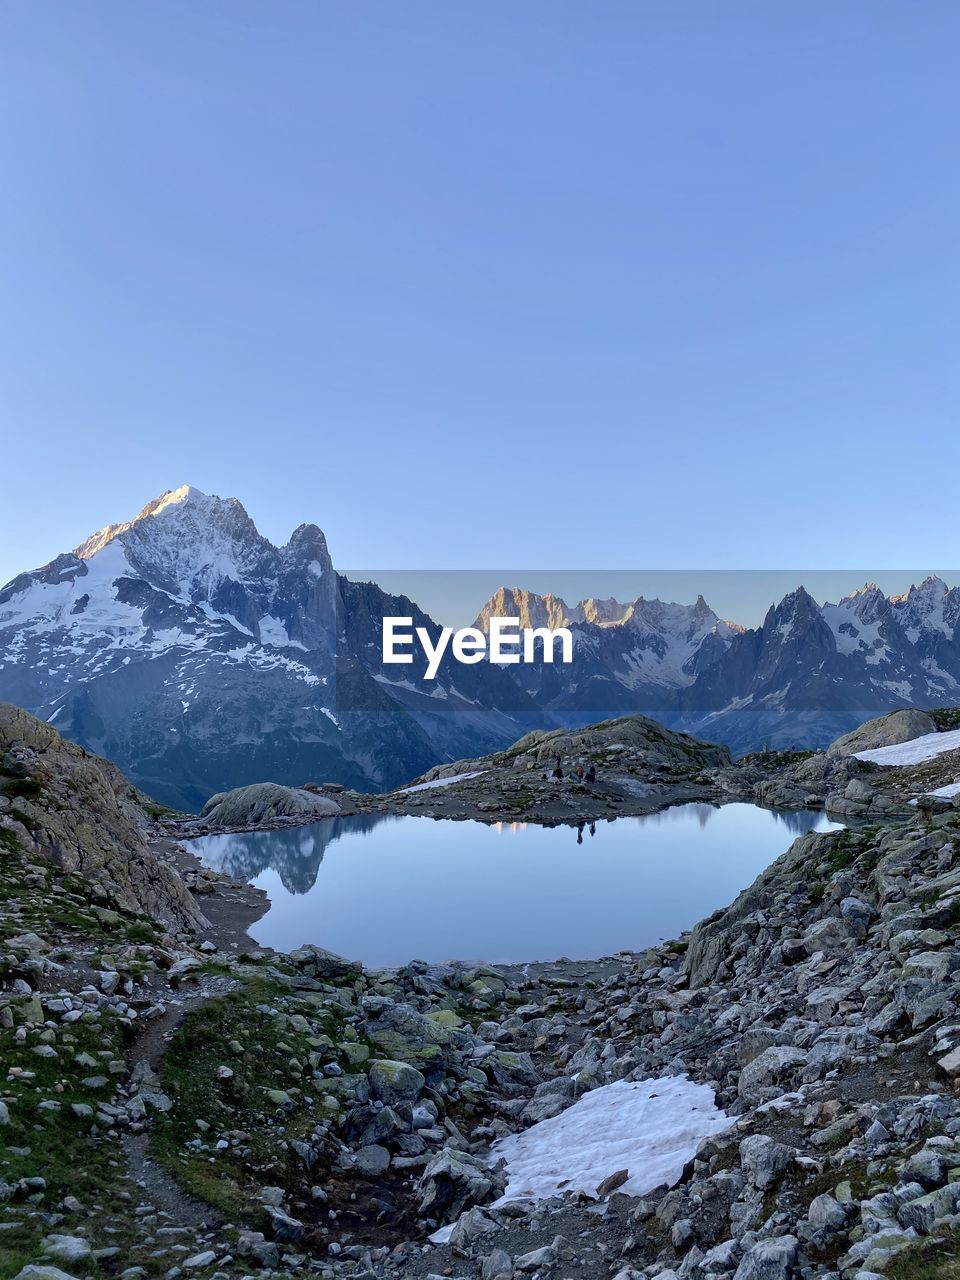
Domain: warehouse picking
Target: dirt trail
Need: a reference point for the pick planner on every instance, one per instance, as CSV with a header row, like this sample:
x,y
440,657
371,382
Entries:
x,y
160,1188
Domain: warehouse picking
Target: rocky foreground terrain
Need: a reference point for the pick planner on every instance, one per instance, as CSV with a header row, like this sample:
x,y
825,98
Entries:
x,y
176,1102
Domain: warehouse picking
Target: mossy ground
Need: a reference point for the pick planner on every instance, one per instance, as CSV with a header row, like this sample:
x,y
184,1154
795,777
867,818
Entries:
x,y
53,1142
271,1040
57,1145
36,897
932,1259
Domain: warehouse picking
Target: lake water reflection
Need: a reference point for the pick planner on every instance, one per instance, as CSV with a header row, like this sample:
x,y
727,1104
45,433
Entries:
x,y
386,890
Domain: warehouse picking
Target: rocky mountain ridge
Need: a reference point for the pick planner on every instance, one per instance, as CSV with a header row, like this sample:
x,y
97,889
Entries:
x,y
188,648
632,657
812,672
809,673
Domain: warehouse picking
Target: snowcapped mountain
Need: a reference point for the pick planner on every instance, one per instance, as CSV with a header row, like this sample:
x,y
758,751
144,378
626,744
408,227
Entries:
x,y
808,674
197,655
812,672
627,657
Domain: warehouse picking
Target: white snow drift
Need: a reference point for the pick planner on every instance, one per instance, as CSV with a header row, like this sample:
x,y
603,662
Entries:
x,y
916,751
649,1127
947,793
439,782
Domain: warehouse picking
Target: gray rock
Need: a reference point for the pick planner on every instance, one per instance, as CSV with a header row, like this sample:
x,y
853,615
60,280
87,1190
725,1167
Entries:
x,y
36,1271
496,1264
536,1259
764,1160
393,1082
317,962
263,803
549,1099
470,1225
857,914
830,934
826,1216
285,1229
885,731
721,1258
66,1248
372,1160
925,1211
453,1181
770,1260
768,1069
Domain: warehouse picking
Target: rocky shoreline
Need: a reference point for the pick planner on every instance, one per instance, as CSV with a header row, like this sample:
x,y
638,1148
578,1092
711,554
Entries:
x,y
179,1102
639,768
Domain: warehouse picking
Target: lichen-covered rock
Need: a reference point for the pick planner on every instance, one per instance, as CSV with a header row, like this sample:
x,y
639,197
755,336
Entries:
x,y
392,1082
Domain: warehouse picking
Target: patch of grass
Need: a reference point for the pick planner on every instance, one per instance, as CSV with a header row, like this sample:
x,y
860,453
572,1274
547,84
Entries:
x,y
8,841
270,1051
818,889
846,845
141,931
937,1258
157,810
56,1145
519,800
25,788
776,759
945,718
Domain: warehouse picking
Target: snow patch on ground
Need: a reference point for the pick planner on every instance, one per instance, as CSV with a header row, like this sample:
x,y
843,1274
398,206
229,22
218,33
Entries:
x,y
439,782
649,1127
947,792
916,751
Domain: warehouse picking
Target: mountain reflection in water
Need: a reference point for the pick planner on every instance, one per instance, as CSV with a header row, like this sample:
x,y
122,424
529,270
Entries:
x,y
395,888
294,853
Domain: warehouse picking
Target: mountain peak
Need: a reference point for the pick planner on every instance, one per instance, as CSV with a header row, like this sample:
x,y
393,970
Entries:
x,y
172,497
931,588
183,496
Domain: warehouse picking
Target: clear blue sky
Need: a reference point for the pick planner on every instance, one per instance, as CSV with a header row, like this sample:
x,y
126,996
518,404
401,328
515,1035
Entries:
x,y
667,283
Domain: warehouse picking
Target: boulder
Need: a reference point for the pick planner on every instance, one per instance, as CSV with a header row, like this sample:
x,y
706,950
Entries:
x,y
36,1271
768,1069
454,1181
496,1264
763,1160
770,1260
265,803
66,1248
899,726
829,934
317,962
392,1082
857,915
